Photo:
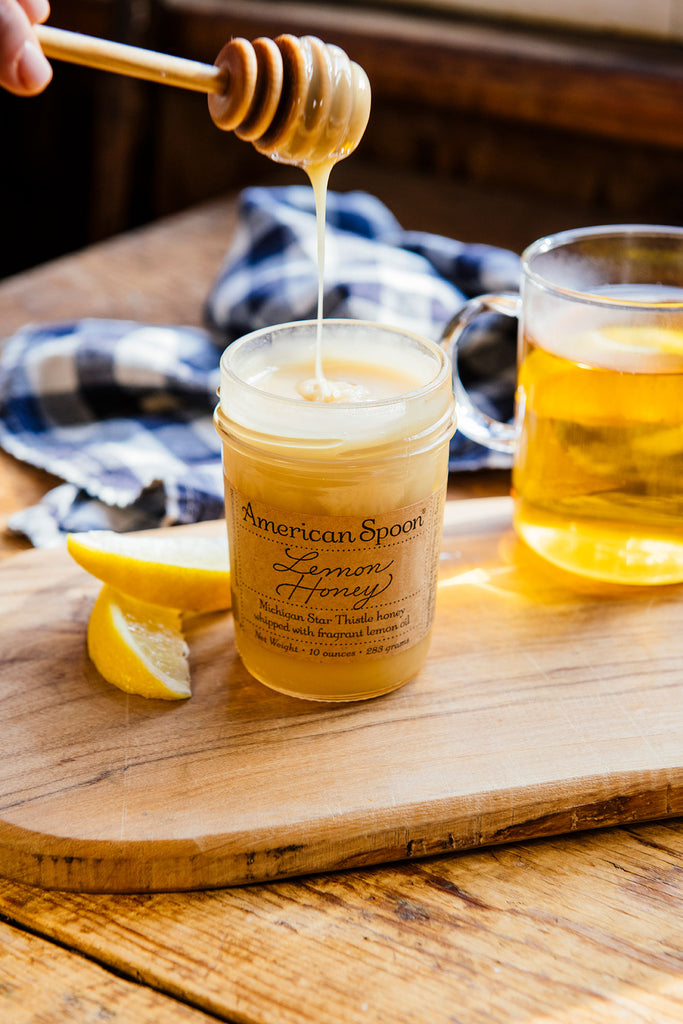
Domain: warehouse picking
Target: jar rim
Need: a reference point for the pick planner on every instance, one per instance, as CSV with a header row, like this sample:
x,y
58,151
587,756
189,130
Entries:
x,y
233,350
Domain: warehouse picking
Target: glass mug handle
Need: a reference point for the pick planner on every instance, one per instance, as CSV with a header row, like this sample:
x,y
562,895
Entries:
x,y
475,424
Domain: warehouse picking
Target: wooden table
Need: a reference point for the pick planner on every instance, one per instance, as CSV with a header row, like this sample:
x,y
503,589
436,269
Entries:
x,y
572,930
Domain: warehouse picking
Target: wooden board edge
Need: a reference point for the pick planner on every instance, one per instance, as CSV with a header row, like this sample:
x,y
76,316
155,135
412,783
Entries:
x,y
454,825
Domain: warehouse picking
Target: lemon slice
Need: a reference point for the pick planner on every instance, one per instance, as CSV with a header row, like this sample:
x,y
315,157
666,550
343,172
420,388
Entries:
x,y
185,571
625,348
646,339
139,647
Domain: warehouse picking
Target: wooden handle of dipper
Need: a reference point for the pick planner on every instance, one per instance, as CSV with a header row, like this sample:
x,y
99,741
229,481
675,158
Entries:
x,y
131,60
244,85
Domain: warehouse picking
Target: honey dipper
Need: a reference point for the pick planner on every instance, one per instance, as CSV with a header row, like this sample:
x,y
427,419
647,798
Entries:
x,y
296,99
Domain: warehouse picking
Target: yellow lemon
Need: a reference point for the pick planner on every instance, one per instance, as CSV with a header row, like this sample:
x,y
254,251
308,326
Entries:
x,y
645,339
139,647
186,571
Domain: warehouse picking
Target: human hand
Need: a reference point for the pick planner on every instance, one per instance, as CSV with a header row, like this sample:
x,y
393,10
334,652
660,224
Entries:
x,y
24,69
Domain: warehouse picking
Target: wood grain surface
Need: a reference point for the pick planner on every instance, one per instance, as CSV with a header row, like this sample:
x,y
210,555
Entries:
x,y
582,929
78,991
545,706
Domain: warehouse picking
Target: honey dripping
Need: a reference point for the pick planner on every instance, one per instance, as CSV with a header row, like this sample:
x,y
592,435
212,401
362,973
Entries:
x,y
309,108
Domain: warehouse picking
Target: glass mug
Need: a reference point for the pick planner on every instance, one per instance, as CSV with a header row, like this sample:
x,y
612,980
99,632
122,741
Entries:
x,y
597,437
334,508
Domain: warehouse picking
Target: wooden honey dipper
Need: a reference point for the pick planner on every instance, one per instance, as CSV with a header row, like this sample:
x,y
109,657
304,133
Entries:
x,y
297,100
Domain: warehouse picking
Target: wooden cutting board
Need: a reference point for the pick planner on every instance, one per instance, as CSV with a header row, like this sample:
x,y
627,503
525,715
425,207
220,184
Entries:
x,y
547,705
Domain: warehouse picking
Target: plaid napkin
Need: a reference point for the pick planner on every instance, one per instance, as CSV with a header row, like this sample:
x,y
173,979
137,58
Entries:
x,y
122,411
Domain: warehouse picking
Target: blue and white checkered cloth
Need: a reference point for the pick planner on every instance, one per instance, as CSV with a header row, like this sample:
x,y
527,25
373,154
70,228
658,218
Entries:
x,y
122,412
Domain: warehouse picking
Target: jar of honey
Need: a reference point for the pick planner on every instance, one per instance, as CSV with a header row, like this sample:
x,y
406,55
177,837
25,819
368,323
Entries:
x,y
335,443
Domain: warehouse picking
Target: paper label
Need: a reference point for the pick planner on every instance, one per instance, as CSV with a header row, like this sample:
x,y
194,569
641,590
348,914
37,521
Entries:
x,y
335,587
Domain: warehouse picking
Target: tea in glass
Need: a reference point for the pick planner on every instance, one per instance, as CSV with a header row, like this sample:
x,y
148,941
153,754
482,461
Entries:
x,y
597,439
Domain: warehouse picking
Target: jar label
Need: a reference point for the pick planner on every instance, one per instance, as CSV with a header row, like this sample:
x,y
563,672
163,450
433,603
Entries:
x,y
335,588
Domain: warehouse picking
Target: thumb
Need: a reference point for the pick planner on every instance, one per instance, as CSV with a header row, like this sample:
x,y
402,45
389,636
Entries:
x,y
24,70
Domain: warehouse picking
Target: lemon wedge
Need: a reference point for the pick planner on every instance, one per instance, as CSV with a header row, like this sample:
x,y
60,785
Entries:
x,y
187,572
139,647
